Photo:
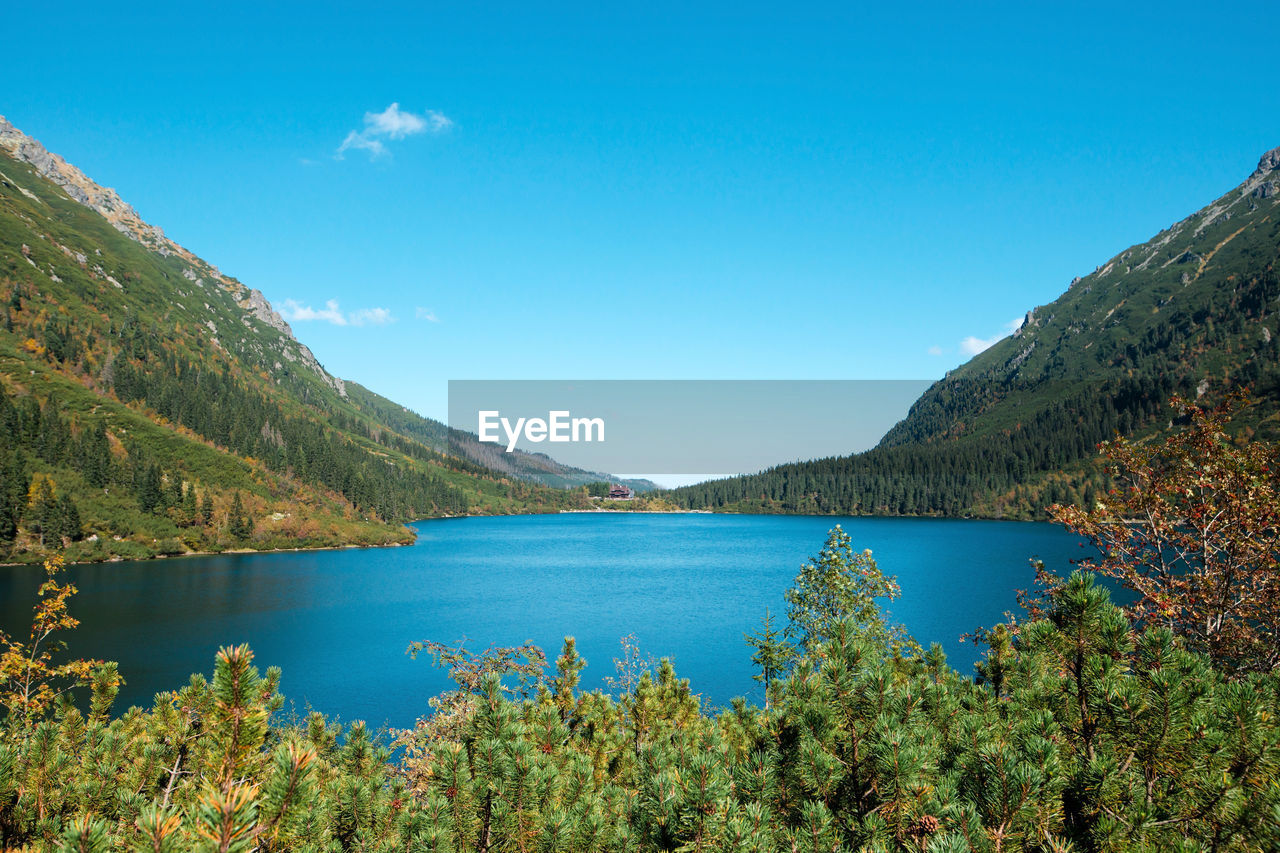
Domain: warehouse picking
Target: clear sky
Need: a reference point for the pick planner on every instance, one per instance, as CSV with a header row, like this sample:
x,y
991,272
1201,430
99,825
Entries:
x,y
667,190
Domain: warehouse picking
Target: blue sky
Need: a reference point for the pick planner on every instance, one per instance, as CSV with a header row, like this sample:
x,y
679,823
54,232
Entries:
x,y
750,191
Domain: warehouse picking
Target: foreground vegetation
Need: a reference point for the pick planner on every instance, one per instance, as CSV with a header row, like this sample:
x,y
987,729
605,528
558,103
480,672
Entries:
x,y
1082,735
1086,728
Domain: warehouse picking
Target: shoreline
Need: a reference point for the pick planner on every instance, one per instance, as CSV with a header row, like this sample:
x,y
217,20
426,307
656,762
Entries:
x,y
233,552
599,511
594,511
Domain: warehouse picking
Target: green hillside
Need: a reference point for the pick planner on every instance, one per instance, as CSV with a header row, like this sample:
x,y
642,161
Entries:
x,y
1190,311
151,404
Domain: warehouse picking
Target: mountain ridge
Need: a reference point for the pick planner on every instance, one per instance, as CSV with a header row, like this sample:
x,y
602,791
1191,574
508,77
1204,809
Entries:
x,y
160,406
125,219
1190,311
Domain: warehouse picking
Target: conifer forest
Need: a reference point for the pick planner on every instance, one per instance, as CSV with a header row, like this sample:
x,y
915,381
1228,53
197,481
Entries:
x,y
1086,726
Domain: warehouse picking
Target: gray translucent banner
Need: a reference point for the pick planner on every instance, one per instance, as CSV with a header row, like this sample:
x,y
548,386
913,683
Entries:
x,y
677,427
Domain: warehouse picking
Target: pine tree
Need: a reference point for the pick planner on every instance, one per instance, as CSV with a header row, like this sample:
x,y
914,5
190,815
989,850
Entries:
x,y
14,487
95,456
43,515
149,486
239,525
174,494
838,585
189,504
773,653
67,519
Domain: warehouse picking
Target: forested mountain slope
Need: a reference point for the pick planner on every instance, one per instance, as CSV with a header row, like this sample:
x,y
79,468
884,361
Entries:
x,y
152,404
1190,311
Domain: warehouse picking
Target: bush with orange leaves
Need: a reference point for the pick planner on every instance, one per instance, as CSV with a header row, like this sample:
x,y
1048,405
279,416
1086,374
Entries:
x,y
1193,528
30,678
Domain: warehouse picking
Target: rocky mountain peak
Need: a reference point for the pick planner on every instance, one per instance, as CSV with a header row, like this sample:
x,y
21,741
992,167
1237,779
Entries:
x,y
79,187
107,202
1270,161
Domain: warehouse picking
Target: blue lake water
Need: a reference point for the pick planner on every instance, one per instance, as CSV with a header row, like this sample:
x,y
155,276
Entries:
x,y
687,586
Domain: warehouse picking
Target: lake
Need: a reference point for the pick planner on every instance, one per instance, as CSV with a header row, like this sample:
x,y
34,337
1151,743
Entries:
x,y
686,585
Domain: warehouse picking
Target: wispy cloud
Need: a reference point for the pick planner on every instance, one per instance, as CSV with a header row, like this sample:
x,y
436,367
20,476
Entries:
x,y
426,314
370,317
360,142
973,345
935,350
296,312
391,123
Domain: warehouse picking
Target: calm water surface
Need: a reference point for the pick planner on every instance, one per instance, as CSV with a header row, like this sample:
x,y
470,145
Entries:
x,y
687,586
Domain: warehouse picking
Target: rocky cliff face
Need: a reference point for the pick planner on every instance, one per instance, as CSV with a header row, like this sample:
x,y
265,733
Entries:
x,y
77,186
107,202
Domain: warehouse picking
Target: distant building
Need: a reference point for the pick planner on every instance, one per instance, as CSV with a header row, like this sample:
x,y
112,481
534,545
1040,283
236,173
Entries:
x,y
621,493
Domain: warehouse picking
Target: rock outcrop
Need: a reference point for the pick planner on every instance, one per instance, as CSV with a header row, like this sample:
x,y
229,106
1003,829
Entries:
x,y
1269,162
79,187
107,202
1263,184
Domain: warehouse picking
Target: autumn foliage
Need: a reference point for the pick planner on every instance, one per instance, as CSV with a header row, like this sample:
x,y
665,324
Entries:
x,y
1192,527
31,677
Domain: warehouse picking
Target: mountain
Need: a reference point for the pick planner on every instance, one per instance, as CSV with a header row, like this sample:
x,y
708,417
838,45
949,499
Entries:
x,y
1193,311
153,404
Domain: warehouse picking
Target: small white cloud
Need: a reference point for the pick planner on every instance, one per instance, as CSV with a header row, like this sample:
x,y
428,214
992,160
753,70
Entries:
x,y
361,142
391,123
935,350
397,123
296,312
370,317
426,314
974,345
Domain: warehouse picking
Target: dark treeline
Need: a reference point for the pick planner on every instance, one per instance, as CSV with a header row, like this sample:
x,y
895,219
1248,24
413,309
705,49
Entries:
x,y
1017,428
293,441
249,424
954,476
34,433
42,440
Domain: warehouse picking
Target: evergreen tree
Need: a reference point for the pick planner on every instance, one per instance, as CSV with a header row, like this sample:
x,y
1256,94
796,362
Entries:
x,y
189,504
239,524
68,519
149,486
772,652
95,456
44,516
174,494
14,486
839,585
